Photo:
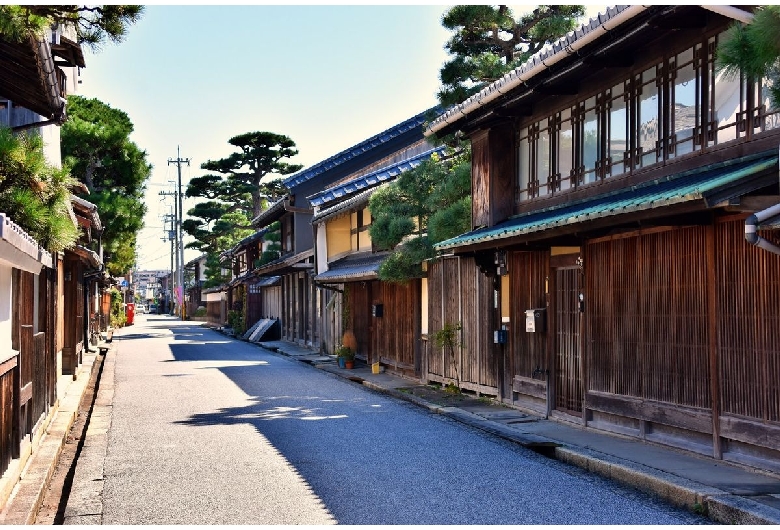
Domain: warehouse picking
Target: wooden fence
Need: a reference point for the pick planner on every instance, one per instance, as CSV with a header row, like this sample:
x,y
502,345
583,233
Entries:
x,y
748,336
459,293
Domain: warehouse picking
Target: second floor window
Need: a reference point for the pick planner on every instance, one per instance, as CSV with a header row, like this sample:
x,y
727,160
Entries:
x,y
359,223
666,109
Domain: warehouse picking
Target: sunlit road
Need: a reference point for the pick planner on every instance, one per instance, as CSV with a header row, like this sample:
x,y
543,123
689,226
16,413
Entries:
x,y
208,430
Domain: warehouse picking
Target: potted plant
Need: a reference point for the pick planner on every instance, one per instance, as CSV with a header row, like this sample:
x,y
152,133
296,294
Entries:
x,y
346,357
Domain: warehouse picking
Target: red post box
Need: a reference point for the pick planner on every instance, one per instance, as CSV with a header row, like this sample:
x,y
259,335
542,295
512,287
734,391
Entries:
x,y
130,313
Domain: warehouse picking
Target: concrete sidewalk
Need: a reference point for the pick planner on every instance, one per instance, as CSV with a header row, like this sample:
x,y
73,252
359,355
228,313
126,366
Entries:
x,y
727,493
22,506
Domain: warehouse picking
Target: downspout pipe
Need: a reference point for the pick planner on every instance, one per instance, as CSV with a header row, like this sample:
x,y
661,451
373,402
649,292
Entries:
x,y
751,229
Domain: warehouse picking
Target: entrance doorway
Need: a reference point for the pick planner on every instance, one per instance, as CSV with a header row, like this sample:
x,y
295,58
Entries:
x,y
567,345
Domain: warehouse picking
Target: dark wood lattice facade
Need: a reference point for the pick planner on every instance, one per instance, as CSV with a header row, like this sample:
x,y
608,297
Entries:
x,y
643,313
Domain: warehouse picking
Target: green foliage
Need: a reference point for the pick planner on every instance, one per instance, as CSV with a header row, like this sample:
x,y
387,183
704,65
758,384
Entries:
x,y
754,49
236,321
405,262
96,144
448,340
273,250
345,352
425,205
238,194
200,312
34,194
260,154
117,312
213,272
94,24
489,41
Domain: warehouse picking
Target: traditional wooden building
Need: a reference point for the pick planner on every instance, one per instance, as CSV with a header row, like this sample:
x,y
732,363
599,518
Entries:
x,y
607,280
35,75
28,366
301,303
83,276
385,317
195,277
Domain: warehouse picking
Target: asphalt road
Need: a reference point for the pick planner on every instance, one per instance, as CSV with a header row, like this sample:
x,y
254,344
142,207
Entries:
x,y
208,430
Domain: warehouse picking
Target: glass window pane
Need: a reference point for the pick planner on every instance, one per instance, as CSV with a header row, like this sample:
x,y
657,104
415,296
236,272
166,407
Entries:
x,y
543,158
685,108
771,119
590,140
618,139
523,166
648,122
727,104
565,150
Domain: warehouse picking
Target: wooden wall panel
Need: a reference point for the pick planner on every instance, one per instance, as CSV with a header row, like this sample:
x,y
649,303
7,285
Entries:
x,y
359,295
435,314
527,274
748,320
646,307
459,293
395,333
480,179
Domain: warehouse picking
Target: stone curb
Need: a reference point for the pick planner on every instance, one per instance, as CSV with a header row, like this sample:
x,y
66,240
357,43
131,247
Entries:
x,y
716,504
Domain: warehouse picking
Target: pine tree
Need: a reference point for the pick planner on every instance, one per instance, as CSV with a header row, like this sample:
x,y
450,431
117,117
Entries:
x,y
489,42
754,49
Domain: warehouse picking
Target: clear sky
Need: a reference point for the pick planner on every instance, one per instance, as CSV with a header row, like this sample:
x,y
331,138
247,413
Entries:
x,y
190,77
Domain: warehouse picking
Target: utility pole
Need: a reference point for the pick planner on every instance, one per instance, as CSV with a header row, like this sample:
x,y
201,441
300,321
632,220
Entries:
x,y
172,236
171,233
180,236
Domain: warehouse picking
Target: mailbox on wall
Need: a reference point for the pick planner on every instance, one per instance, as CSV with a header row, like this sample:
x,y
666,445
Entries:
x,y
535,321
377,310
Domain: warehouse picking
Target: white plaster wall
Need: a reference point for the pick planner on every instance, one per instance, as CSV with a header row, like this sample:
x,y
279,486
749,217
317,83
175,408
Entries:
x,y
6,293
322,249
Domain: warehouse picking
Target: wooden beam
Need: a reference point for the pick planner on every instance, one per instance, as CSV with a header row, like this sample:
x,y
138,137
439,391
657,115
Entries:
x,y
712,331
751,203
689,418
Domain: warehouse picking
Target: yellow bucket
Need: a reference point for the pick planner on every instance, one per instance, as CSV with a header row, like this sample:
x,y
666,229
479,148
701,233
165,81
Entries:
x,y
375,368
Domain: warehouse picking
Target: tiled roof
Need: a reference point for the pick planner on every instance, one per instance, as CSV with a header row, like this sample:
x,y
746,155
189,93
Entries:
x,y
713,184
359,149
354,202
284,262
268,281
563,47
268,213
384,174
354,267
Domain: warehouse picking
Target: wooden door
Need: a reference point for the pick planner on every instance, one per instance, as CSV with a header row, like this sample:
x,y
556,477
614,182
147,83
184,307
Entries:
x,y
567,348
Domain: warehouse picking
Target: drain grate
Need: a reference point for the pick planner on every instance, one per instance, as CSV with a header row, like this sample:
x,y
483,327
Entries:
x,y
546,449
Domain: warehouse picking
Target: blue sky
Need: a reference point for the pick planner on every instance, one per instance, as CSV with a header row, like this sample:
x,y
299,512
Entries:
x,y
191,77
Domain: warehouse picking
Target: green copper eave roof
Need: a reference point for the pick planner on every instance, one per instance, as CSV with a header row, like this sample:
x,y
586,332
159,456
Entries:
x,y
716,181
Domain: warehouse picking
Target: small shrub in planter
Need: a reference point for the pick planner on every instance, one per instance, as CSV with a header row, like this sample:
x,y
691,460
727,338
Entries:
x,y
346,356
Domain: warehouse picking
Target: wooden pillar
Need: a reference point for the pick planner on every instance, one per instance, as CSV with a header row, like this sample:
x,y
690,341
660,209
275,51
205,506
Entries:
x,y
712,330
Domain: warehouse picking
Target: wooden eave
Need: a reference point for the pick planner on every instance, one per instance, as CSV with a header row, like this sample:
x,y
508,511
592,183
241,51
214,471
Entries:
x,y
30,78
602,58
68,53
